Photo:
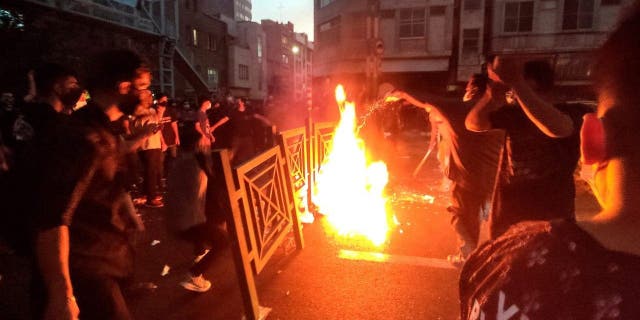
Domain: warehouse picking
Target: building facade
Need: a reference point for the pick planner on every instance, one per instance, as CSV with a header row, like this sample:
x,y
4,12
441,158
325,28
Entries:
x,y
427,44
279,55
149,28
302,55
564,31
238,10
412,39
247,63
202,44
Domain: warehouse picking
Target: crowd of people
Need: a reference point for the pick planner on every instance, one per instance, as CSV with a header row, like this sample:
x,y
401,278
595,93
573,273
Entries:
x,y
76,158
68,174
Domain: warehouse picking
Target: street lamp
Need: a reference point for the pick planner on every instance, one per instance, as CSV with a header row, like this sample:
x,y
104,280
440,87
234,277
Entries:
x,y
295,50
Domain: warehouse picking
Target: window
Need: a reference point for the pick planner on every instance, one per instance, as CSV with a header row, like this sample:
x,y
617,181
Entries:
x,y
194,37
243,72
329,32
470,41
259,49
577,14
518,16
212,44
437,10
358,26
412,22
472,4
212,77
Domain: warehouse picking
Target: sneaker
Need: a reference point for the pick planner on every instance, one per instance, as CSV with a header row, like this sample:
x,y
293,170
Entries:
x,y
155,203
197,284
457,260
199,257
139,201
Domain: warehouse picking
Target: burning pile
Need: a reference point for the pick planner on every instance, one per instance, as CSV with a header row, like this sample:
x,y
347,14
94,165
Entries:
x,y
350,188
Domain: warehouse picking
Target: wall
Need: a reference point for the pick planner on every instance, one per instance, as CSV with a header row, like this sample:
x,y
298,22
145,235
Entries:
x,y
203,56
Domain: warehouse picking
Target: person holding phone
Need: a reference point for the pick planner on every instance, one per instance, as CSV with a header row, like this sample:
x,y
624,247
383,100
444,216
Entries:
x,y
542,142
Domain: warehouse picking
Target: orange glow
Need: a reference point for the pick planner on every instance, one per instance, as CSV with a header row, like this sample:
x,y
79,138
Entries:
x,y
350,189
391,99
341,96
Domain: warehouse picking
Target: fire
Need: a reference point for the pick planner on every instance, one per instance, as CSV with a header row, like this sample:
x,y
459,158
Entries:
x,y
349,188
341,96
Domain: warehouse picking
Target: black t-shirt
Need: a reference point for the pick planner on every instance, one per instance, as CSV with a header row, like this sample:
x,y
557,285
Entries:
x,y
81,188
242,122
168,134
222,133
536,178
215,114
549,270
30,134
473,157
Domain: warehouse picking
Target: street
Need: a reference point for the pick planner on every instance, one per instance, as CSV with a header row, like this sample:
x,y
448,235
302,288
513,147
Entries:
x,y
329,279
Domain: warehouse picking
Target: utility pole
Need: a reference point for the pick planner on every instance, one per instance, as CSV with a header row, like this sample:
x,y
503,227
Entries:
x,y
376,48
455,47
488,28
280,7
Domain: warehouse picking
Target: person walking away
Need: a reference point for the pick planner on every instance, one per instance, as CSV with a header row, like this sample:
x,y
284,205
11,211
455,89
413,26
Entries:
x,y
189,205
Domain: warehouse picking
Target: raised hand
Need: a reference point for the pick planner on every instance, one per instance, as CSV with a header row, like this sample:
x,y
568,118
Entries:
x,y
506,70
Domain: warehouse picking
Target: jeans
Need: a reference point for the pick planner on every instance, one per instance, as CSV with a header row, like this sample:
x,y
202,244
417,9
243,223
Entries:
x,y
466,208
152,159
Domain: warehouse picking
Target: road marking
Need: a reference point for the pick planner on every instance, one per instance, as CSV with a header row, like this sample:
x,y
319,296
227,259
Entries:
x,y
383,257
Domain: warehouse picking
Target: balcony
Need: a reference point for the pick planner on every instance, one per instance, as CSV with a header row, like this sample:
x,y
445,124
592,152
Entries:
x,y
141,18
544,43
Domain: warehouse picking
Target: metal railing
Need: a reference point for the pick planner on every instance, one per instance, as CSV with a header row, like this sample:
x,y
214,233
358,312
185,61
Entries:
x,y
263,195
294,145
263,213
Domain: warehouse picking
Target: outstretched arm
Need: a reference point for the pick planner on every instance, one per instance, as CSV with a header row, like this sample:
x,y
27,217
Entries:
x,y
410,99
219,123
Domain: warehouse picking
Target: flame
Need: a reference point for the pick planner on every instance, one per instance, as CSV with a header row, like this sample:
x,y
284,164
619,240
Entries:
x,y
341,96
349,189
391,99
